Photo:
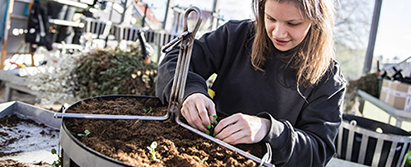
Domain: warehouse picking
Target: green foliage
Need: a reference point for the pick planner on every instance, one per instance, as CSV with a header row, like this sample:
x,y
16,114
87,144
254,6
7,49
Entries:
x,y
115,71
214,123
204,159
56,163
369,83
152,149
85,134
148,111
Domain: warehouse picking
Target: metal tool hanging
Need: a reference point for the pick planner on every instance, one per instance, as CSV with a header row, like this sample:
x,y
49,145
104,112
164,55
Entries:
x,y
186,41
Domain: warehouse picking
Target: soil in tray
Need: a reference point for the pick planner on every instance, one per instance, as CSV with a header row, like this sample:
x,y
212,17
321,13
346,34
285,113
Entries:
x,y
19,136
127,140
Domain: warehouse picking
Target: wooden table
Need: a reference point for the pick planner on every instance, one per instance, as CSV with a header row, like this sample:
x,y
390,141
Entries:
x,y
14,82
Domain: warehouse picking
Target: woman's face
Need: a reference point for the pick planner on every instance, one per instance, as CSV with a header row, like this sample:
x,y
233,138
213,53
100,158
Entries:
x,y
285,24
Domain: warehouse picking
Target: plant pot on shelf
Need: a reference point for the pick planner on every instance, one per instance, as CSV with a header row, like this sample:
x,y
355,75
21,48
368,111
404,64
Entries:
x,y
125,142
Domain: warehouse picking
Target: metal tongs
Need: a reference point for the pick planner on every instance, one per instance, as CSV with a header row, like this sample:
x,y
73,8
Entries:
x,y
186,41
180,77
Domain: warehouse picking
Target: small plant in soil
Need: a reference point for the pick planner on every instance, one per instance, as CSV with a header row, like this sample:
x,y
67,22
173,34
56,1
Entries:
x,y
85,134
204,159
176,146
211,127
152,149
148,111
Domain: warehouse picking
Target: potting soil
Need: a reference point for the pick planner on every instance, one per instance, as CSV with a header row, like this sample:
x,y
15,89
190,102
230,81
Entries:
x,y
128,140
24,141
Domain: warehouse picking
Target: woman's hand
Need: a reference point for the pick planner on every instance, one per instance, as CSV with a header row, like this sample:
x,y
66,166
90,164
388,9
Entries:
x,y
242,129
197,109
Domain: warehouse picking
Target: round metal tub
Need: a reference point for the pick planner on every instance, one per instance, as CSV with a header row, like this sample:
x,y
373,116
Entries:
x,y
75,153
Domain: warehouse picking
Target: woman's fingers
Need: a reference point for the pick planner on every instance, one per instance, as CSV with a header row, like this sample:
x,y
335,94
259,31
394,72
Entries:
x,y
192,117
229,129
241,128
203,112
196,110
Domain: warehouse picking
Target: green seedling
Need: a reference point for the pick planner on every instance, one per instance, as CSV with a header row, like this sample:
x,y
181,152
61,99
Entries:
x,y
85,134
204,159
148,111
214,120
56,163
152,149
210,127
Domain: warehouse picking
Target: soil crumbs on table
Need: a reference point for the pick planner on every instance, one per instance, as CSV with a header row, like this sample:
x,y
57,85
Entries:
x,y
19,135
129,140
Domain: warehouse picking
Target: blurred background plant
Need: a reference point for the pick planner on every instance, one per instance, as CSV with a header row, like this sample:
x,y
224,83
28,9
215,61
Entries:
x,y
370,83
115,71
70,77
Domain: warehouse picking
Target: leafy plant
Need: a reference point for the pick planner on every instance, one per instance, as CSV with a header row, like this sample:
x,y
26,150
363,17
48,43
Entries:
x,y
56,163
114,71
85,134
71,77
152,149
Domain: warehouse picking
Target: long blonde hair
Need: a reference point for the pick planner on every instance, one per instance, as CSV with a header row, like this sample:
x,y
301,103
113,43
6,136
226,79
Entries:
x,y
313,56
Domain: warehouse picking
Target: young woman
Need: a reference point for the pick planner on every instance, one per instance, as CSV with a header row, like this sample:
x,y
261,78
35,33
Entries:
x,y
277,80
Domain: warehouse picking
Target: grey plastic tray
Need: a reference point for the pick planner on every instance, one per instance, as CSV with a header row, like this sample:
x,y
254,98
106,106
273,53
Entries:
x,y
33,142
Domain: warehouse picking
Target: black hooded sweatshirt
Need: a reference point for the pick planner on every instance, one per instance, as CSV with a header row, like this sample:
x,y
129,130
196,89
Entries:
x,y
302,130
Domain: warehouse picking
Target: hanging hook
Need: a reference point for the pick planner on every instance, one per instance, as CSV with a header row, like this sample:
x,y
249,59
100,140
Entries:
x,y
186,34
198,21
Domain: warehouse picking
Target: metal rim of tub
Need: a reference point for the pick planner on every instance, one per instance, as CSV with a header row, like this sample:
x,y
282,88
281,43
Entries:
x,y
80,153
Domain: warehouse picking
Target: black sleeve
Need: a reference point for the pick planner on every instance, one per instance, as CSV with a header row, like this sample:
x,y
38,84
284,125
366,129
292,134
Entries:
x,y
311,140
207,56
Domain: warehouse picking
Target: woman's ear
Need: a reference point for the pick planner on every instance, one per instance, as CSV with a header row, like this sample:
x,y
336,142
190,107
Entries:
x,y
314,25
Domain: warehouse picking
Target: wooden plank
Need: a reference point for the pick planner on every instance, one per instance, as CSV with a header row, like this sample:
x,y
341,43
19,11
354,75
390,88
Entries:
x,y
22,88
14,82
8,76
21,53
66,23
71,3
67,46
10,16
19,17
24,1
5,34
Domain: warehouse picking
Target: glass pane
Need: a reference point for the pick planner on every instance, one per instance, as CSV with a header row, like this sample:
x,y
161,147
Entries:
x,y
352,29
394,36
